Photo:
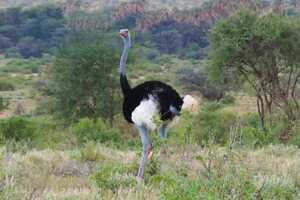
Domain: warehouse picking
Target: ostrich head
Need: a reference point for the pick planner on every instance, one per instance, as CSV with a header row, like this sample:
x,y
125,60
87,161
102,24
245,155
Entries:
x,y
125,35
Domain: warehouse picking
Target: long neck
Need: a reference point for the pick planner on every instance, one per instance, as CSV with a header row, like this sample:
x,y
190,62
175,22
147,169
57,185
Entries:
x,y
127,44
126,89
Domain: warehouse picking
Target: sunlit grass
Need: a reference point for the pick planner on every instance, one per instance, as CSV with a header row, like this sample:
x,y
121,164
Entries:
x,y
271,171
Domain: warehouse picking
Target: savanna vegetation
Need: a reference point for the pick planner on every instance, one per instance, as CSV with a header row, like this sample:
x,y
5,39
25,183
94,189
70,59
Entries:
x,y
63,136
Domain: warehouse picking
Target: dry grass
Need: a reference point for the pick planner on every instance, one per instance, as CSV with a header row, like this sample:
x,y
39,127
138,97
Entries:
x,y
20,103
244,104
59,175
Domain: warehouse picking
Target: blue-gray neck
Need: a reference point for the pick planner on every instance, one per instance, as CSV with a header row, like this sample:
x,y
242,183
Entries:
x,y
127,45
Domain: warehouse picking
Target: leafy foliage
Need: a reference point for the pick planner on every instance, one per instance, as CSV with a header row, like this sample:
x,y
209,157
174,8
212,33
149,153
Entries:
x,y
88,130
213,125
17,129
6,85
113,177
4,103
84,79
19,65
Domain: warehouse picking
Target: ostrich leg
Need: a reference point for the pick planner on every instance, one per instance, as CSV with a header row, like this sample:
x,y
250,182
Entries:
x,y
162,130
146,153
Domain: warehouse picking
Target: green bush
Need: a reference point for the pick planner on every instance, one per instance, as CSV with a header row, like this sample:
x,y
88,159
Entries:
x,y
22,66
213,126
251,133
295,135
6,86
89,130
112,177
212,106
4,103
228,99
50,133
91,153
17,129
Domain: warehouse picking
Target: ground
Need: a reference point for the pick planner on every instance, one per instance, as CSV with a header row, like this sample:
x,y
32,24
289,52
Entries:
x,y
79,173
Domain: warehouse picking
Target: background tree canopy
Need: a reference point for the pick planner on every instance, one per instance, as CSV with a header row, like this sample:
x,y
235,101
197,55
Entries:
x,y
264,50
31,32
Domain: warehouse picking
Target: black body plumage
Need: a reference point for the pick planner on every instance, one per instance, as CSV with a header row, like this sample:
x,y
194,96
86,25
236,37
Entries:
x,y
164,94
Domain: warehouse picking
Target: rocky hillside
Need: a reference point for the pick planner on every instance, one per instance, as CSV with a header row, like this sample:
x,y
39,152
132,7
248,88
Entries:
x,y
143,15
102,4
207,13
147,14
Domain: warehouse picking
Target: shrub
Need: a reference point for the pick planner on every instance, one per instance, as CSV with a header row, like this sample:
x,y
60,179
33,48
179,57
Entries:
x,y
213,125
295,135
22,65
86,130
6,86
3,103
228,99
254,137
17,129
12,52
212,106
90,152
19,110
252,134
112,177
91,86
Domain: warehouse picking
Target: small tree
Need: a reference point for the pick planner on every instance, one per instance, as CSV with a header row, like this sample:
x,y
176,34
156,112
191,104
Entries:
x,y
264,50
84,80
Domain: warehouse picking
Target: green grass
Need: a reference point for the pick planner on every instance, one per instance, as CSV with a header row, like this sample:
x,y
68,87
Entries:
x,y
22,65
186,173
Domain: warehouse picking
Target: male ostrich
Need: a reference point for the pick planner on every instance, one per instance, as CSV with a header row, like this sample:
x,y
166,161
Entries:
x,y
143,102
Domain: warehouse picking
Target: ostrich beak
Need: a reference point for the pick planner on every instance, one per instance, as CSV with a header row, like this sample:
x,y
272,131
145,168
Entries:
x,y
123,34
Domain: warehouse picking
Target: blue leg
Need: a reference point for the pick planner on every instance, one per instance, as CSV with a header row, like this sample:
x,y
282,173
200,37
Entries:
x,y
147,151
162,130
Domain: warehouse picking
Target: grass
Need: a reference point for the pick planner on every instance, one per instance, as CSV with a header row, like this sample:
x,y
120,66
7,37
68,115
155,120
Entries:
x,y
21,65
187,172
244,104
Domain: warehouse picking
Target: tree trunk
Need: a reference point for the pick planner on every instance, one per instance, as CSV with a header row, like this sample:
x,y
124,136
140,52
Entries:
x,y
261,111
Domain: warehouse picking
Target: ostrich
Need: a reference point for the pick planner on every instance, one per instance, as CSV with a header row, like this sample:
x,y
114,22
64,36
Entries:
x,y
143,102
